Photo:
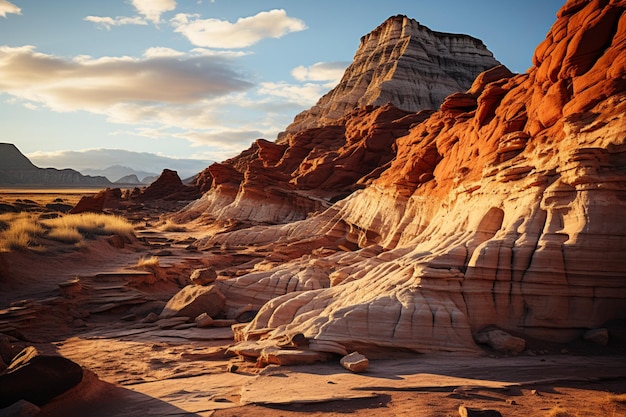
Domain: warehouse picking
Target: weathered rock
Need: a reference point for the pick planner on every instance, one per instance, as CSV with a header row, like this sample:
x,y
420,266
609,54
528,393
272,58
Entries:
x,y
290,357
476,412
598,336
501,341
505,215
203,276
355,362
400,62
193,300
203,320
37,378
108,198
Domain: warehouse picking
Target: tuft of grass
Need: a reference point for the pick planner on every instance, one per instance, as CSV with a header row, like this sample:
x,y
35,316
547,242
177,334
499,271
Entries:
x,y
558,411
93,224
170,226
65,235
20,231
148,263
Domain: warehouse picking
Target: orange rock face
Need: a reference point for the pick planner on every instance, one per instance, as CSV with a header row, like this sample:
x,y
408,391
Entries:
x,y
504,208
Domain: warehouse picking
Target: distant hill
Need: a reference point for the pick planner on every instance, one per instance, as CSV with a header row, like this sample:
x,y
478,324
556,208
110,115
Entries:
x,y
129,179
16,169
123,174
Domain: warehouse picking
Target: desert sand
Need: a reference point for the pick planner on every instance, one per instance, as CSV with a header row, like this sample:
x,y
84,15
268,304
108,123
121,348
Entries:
x,y
88,305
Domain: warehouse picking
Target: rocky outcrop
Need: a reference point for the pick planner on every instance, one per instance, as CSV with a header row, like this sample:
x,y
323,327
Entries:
x,y
502,209
347,138
273,183
17,169
403,63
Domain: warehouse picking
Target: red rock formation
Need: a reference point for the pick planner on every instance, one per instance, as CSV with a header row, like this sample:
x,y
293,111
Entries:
x,y
278,183
501,209
108,198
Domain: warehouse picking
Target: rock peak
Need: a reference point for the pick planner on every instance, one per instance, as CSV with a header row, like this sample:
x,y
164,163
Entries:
x,y
403,63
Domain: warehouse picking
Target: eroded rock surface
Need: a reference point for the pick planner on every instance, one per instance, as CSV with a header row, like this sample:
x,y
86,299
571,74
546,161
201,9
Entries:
x,y
501,209
403,63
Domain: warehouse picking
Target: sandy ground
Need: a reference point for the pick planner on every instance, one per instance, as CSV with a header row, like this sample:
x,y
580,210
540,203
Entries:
x,y
142,369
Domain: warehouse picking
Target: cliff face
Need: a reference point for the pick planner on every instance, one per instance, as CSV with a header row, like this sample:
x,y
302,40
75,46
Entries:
x,y
17,169
402,63
502,208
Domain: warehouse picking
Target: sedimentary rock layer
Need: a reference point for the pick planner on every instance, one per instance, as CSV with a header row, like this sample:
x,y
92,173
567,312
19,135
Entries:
x,y
403,63
504,208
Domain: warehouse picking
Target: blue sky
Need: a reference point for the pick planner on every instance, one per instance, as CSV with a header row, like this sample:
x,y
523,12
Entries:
x,y
202,79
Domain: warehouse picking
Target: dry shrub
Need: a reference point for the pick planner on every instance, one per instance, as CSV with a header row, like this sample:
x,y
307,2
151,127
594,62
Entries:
x,y
65,235
19,231
148,263
93,224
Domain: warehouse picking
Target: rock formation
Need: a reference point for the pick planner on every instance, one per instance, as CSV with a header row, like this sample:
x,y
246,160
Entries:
x,y
500,210
17,169
403,63
345,140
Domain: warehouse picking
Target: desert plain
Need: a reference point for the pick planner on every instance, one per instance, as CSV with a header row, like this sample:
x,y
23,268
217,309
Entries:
x,y
89,303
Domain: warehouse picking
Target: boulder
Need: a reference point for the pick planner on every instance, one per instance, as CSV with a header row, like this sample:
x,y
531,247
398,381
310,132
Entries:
x,y
501,341
355,362
598,336
37,378
203,276
204,320
193,300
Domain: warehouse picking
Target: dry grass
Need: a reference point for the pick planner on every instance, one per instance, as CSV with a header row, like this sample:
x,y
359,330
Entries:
x,y
617,398
559,412
19,231
148,263
25,230
92,224
170,226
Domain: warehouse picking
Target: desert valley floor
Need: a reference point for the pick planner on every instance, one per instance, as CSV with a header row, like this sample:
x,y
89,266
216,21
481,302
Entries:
x,y
90,305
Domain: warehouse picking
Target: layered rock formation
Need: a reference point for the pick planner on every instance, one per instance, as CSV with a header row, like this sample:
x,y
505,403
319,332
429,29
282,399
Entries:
x,y
402,63
345,140
17,169
502,209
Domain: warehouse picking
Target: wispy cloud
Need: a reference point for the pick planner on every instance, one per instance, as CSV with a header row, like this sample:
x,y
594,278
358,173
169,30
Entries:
x,y
321,71
6,7
153,9
108,22
246,31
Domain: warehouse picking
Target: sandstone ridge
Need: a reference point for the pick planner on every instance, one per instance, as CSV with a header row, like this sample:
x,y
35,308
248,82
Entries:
x,y
501,209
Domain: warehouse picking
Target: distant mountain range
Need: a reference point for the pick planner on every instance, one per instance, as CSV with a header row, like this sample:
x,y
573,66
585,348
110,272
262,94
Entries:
x,y
123,174
17,169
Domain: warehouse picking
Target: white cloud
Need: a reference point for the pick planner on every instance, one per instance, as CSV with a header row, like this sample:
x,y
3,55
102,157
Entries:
x,y
153,9
6,7
159,78
321,71
215,33
107,22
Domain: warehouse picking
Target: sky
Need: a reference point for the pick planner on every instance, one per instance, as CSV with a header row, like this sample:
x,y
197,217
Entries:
x,y
202,79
